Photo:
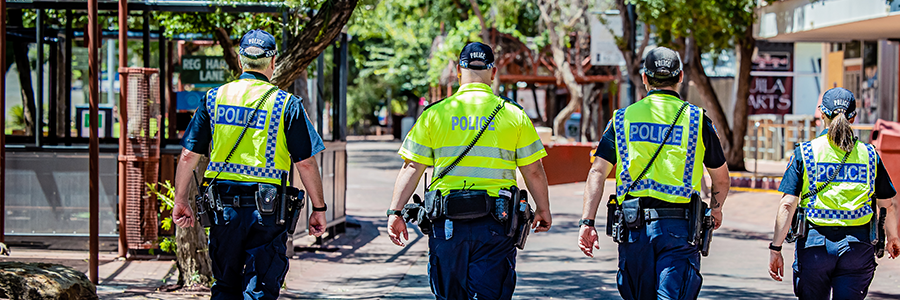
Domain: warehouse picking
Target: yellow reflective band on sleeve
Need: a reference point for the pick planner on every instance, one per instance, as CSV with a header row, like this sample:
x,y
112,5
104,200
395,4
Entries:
x,y
530,149
416,152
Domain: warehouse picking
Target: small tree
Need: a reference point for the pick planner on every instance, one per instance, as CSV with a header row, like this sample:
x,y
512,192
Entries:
x,y
189,244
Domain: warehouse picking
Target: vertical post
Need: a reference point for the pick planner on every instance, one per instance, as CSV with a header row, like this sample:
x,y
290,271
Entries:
x,y
146,35
110,72
38,112
54,92
163,104
94,149
123,123
632,44
3,122
339,105
320,87
336,71
170,95
70,36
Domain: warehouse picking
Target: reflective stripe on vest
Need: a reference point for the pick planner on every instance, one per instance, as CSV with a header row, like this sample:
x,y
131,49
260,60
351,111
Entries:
x,y
687,188
261,155
848,187
210,109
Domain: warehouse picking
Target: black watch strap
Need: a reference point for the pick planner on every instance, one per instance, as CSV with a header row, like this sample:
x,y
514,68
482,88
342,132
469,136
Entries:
x,y
390,212
587,222
323,208
776,248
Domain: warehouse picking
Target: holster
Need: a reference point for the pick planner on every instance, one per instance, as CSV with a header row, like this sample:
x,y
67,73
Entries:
x,y
208,204
706,232
416,213
799,226
612,214
696,218
433,205
878,231
296,205
524,217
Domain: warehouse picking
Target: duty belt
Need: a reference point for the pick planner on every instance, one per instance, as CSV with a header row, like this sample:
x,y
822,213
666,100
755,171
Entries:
x,y
653,214
238,201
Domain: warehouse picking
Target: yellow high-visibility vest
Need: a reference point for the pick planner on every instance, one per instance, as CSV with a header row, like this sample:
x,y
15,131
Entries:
x,y
847,200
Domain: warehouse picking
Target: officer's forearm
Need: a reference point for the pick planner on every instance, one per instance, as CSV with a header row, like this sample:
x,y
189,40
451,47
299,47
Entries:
x,y
783,218
312,181
406,183
890,219
593,188
185,174
721,184
536,182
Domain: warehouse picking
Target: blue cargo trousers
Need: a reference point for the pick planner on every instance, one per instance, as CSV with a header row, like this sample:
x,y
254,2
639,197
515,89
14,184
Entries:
x,y
471,260
247,251
657,262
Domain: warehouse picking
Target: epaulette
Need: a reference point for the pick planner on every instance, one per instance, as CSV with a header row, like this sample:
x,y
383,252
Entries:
x,y
432,104
513,102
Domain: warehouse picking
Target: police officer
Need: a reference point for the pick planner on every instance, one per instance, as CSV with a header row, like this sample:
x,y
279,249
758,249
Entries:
x,y
657,260
471,259
247,246
836,256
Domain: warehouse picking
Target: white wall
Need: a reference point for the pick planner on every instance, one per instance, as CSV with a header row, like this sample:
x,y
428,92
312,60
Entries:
x,y
807,80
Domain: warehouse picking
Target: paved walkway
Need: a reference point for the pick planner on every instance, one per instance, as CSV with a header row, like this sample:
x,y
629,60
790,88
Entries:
x,y
364,264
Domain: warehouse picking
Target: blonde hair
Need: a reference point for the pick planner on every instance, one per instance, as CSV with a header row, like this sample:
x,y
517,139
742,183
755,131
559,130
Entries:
x,y
840,133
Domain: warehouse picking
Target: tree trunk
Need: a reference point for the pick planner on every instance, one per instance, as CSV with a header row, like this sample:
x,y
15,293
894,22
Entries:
x,y
633,56
23,66
485,36
192,252
563,69
231,57
315,37
744,52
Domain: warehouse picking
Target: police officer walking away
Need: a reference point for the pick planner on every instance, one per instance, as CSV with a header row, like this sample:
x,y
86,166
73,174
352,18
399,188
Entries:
x,y
471,254
659,146
252,132
835,180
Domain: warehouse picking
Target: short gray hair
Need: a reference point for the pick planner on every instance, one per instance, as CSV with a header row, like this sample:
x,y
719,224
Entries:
x,y
255,63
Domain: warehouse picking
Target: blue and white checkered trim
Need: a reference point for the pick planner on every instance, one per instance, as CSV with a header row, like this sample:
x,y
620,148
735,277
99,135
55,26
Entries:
x,y
809,162
651,184
622,147
272,131
693,136
836,214
211,109
245,170
873,164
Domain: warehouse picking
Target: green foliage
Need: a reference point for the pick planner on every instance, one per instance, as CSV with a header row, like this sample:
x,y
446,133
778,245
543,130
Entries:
x,y
16,118
713,24
166,202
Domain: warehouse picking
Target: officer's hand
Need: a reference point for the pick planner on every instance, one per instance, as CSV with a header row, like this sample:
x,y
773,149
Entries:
x,y
587,240
396,228
717,216
893,248
542,220
182,214
317,223
776,265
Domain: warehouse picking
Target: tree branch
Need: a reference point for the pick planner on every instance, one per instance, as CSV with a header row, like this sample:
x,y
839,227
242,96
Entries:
x,y
485,35
315,37
231,58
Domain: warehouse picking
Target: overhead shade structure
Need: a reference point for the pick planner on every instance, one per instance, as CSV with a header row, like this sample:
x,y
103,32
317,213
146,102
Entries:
x,y
828,21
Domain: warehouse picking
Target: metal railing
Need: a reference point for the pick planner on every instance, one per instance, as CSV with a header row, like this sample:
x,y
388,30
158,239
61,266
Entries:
x,y
772,137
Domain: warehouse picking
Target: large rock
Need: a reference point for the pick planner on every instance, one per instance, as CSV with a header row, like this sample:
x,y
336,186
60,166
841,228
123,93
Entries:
x,y
32,281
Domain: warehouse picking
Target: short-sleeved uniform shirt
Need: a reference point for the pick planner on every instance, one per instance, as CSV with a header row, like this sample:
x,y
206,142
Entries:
x,y
792,184
714,157
446,127
302,139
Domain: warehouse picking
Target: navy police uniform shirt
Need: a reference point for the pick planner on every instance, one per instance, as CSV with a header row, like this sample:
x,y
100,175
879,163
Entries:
x,y
302,139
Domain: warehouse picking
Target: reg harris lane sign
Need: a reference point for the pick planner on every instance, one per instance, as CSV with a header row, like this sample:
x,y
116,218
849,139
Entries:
x,y
204,69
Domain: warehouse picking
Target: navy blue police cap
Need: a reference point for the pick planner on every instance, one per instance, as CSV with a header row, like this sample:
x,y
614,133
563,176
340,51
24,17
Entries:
x,y
476,52
662,63
838,100
259,39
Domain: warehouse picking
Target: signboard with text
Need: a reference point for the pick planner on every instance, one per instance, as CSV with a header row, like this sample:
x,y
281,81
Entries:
x,y
771,79
203,69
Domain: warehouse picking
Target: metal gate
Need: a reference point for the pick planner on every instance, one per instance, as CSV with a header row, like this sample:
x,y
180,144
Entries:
x,y
141,154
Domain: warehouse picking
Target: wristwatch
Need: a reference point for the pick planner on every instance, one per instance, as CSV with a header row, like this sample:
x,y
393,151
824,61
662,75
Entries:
x,y
587,222
776,248
323,208
390,212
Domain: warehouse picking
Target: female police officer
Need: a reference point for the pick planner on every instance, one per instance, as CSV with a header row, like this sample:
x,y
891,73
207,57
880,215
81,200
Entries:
x,y
837,177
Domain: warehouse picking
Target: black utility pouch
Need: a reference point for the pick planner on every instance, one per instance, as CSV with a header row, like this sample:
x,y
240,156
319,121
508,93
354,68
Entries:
x,y
631,210
212,198
266,194
695,221
467,205
434,205
297,203
798,226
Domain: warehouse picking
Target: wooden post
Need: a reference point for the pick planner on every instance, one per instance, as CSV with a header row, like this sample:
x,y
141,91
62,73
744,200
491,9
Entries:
x,y
3,123
123,124
94,149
